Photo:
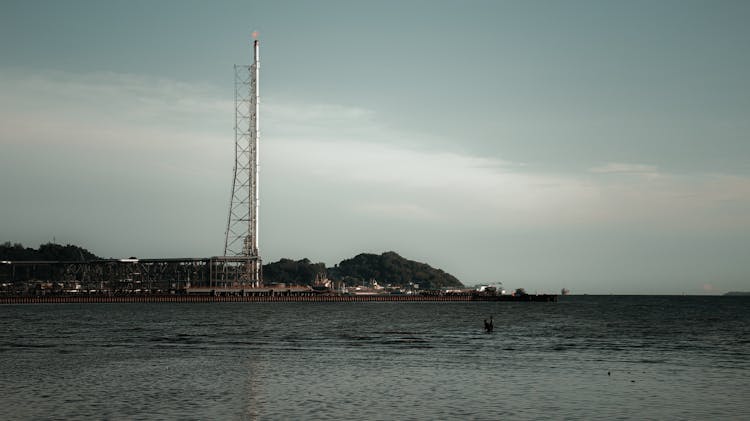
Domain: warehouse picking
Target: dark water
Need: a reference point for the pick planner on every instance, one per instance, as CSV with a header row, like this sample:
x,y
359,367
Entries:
x,y
668,358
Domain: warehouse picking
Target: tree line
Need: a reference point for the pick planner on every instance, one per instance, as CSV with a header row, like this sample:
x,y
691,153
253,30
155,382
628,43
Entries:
x,y
50,251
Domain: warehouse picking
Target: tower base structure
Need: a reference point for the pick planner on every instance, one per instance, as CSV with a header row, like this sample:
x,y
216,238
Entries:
x,y
237,271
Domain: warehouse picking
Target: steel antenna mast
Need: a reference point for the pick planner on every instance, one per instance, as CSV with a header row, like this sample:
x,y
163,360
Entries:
x,y
241,240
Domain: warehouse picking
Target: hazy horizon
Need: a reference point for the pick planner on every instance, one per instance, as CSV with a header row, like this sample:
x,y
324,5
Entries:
x,y
597,146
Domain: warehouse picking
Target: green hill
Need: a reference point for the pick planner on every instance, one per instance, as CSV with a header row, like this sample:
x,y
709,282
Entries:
x,y
386,268
390,268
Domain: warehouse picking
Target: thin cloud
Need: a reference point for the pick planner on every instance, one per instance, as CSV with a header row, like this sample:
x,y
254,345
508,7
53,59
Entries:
x,y
496,192
624,168
89,109
405,211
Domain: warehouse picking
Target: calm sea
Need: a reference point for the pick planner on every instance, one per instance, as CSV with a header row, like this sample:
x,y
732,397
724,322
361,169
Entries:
x,y
583,357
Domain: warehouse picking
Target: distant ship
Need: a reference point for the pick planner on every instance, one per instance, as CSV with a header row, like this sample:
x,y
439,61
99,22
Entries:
x,y
564,291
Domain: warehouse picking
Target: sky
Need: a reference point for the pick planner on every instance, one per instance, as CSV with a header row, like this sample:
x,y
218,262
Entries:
x,y
600,146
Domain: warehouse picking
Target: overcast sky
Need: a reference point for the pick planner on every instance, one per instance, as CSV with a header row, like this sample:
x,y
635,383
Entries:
x,y
602,146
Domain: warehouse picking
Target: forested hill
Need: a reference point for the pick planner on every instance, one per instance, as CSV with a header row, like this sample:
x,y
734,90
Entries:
x,y
289,271
390,268
386,268
49,251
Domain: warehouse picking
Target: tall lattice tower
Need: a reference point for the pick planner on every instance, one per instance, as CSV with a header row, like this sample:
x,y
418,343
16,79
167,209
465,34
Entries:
x,y
242,225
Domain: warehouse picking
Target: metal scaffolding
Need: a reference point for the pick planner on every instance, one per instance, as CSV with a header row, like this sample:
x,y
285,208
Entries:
x,y
123,276
241,243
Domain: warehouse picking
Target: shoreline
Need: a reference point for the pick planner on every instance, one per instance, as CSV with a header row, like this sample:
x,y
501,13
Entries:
x,y
174,298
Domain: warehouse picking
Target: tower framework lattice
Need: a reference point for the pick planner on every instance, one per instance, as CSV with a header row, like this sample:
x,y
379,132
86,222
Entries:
x,y
241,240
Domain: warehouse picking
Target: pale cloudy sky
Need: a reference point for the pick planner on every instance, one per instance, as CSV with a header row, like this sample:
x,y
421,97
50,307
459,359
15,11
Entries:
x,y
600,146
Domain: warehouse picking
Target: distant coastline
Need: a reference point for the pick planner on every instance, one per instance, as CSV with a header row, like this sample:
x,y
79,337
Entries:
x,y
737,293
57,269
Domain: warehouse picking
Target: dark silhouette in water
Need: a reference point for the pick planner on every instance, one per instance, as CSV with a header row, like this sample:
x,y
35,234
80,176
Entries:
x,y
488,327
